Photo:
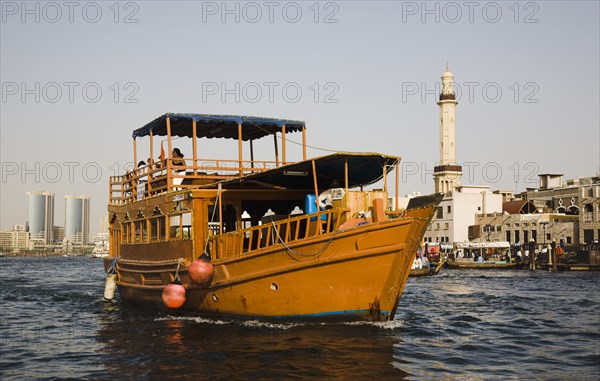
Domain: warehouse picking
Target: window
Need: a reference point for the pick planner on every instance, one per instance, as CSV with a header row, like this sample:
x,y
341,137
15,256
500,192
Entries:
x,y
449,209
440,212
517,236
157,228
508,235
437,226
498,228
141,233
126,231
446,226
180,226
568,240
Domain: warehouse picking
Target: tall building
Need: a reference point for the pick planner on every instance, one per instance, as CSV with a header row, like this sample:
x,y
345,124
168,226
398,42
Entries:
x,y
461,204
447,174
40,217
77,219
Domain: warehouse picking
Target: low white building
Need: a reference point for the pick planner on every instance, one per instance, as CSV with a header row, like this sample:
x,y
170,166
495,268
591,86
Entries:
x,y
16,239
458,210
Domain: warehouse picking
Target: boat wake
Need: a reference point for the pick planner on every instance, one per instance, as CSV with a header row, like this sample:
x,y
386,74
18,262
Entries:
x,y
253,323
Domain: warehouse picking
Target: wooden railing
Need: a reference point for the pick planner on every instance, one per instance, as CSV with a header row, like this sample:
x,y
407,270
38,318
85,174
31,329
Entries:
x,y
282,232
163,176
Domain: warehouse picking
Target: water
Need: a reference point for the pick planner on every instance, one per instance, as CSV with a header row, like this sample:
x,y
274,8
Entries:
x,y
459,325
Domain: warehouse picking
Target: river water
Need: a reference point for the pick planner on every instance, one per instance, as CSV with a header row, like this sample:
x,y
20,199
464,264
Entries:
x,y
459,325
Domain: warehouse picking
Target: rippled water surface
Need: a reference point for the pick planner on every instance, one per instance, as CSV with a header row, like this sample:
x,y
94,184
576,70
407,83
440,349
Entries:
x,y
461,324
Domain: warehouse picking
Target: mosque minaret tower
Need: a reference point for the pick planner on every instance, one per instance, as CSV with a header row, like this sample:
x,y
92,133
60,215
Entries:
x,y
447,174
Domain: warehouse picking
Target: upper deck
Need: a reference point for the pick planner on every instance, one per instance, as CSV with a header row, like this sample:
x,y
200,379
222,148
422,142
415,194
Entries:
x,y
169,172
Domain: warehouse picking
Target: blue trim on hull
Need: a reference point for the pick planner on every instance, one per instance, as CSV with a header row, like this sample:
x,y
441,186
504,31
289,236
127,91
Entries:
x,y
331,314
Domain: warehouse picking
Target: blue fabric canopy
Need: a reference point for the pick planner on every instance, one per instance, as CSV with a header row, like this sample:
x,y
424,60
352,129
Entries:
x,y
218,126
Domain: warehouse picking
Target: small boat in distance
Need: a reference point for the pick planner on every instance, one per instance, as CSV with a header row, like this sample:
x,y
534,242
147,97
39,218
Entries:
x,y
480,255
101,249
276,239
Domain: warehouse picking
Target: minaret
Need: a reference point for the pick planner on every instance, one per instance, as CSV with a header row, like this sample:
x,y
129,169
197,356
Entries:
x,y
447,174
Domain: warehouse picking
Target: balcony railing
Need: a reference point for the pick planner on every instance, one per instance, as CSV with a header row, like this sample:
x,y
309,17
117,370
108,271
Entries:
x,y
282,232
163,176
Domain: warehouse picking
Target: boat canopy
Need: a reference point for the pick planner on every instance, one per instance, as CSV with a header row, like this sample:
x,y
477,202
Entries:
x,y
218,126
482,245
362,169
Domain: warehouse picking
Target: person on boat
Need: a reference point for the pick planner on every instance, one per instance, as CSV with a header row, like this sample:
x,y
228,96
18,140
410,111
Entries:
x,y
178,166
480,259
142,171
326,198
417,264
142,178
425,261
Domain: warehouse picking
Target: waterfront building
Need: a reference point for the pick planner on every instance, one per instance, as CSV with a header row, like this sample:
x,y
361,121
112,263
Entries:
x,y
577,197
59,234
14,240
525,225
40,218
457,212
77,219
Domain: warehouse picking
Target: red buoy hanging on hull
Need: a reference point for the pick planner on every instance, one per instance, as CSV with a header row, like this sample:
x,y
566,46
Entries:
x,y
201,271
173,295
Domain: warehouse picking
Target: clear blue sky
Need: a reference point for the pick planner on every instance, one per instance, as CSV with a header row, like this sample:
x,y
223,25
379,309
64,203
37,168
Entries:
x,y
367,71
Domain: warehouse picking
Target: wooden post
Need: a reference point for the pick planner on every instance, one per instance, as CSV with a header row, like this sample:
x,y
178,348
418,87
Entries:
x,y
151,146
554,256
169,147
283,154
169,142
346,176
314,170
134,154
397,184
532,255
220,209
385,177
276,149
194,148
251,154
303,143
240,156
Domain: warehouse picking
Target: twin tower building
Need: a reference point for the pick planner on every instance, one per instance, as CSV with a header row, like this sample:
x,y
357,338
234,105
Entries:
x,y
40,219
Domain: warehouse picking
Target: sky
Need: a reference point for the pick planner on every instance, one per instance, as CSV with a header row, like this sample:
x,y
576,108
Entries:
x,y
78,77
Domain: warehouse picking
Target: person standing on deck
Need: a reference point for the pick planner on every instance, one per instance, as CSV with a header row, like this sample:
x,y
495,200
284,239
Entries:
x,y
178,167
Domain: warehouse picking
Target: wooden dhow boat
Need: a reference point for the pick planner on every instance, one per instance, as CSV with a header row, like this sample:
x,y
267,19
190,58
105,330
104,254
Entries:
x,y
251,238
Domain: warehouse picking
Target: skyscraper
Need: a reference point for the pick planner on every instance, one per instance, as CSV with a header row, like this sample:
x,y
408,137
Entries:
x,y
77,219
40,217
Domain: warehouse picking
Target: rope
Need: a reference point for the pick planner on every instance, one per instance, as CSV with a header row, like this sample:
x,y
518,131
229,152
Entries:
x,y
297,143
212,218
179,261
112,266
291,251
